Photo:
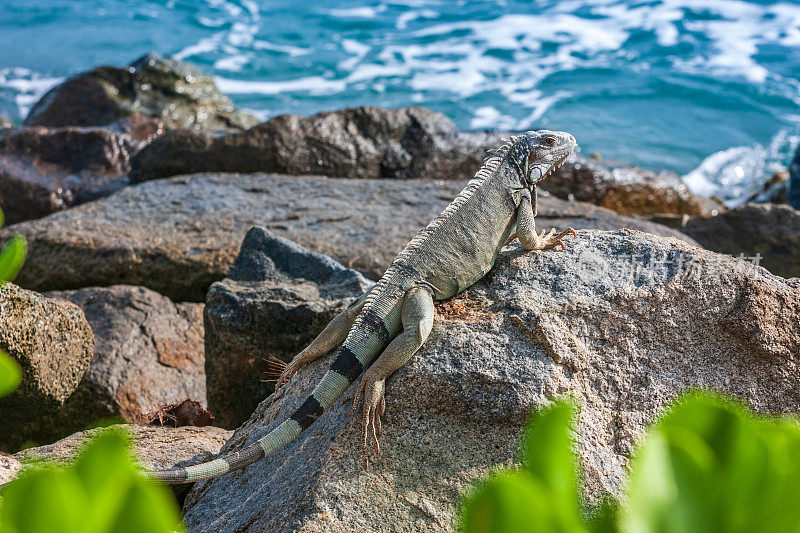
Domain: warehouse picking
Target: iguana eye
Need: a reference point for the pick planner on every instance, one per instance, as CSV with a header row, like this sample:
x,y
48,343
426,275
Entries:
x,y
549,141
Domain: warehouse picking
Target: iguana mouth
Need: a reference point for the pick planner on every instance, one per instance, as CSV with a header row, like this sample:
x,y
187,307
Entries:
x,y
556,165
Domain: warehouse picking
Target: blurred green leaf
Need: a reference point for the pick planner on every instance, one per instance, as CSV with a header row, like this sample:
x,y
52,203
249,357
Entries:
x,y
43,500
103,491
10,374
709,465
510,502
12,257
549,456
543,495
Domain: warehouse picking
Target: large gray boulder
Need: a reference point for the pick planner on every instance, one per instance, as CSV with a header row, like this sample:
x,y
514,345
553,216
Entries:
x,y
44,170
619,320
148,353
53,344
179,235
277,297
768,233
173,91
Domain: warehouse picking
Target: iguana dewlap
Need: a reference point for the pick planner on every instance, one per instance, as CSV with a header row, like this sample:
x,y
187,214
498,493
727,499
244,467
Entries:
x,y
393,319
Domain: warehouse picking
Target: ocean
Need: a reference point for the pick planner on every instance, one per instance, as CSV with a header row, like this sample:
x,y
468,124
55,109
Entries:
x,y
707,88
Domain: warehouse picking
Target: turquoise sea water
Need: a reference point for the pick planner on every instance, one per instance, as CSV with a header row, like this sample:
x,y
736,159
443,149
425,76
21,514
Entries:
x,y
709,89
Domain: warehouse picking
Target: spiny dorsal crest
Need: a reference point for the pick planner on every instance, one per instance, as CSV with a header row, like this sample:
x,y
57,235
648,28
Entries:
x,y
490,165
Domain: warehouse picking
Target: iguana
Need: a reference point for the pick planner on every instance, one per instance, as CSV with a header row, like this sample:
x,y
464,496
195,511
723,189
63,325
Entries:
x,y
394,318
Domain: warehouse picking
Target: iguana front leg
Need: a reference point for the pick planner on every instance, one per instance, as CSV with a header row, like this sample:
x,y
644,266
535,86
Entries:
x,y
417,317
526,227
330,337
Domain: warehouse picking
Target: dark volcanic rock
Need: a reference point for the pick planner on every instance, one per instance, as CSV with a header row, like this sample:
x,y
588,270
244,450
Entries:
x,y
276,299
774,191
53,344
794,181
627,189
73,149
148,353
46,170
369,142
770,230
31,190
178,236
175,92
362,142
618,320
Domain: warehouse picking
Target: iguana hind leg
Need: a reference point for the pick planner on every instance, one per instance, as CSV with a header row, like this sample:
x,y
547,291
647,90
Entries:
x,y
417,317
330,337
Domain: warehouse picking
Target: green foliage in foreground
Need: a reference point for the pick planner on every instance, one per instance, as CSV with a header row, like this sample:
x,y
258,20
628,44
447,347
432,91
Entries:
x,y
709,465
103,491
11,258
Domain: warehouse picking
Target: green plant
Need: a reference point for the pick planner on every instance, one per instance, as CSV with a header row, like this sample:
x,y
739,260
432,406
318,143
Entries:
x,y
102,491
11,258
708,465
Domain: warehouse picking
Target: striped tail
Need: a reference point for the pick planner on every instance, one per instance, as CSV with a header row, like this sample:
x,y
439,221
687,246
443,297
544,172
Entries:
x,y
346,368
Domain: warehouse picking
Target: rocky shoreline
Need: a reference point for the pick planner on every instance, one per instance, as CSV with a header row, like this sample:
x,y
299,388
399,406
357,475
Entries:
x,y
174,243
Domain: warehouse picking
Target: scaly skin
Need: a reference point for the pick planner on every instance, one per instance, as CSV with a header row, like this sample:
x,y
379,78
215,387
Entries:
x,y
395,317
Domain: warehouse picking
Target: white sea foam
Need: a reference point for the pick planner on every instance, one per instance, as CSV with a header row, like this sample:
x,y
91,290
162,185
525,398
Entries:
x,y
311,85
364,12
451,56
733,174
28,86
488,117
404,18
260,44
232,63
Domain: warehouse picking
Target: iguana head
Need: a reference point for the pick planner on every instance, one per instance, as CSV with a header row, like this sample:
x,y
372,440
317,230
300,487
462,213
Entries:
x,y
537,153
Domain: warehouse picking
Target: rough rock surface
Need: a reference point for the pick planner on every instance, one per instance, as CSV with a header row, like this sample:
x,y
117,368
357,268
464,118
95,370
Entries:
x,y
175,92
156,447
177,236
9,466
627,189
53,344
770,230
276,299
361,142
45,170
148,353
619,320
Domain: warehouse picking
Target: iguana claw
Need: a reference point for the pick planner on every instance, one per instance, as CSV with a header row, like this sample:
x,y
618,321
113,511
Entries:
x,y
372,390
551,241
